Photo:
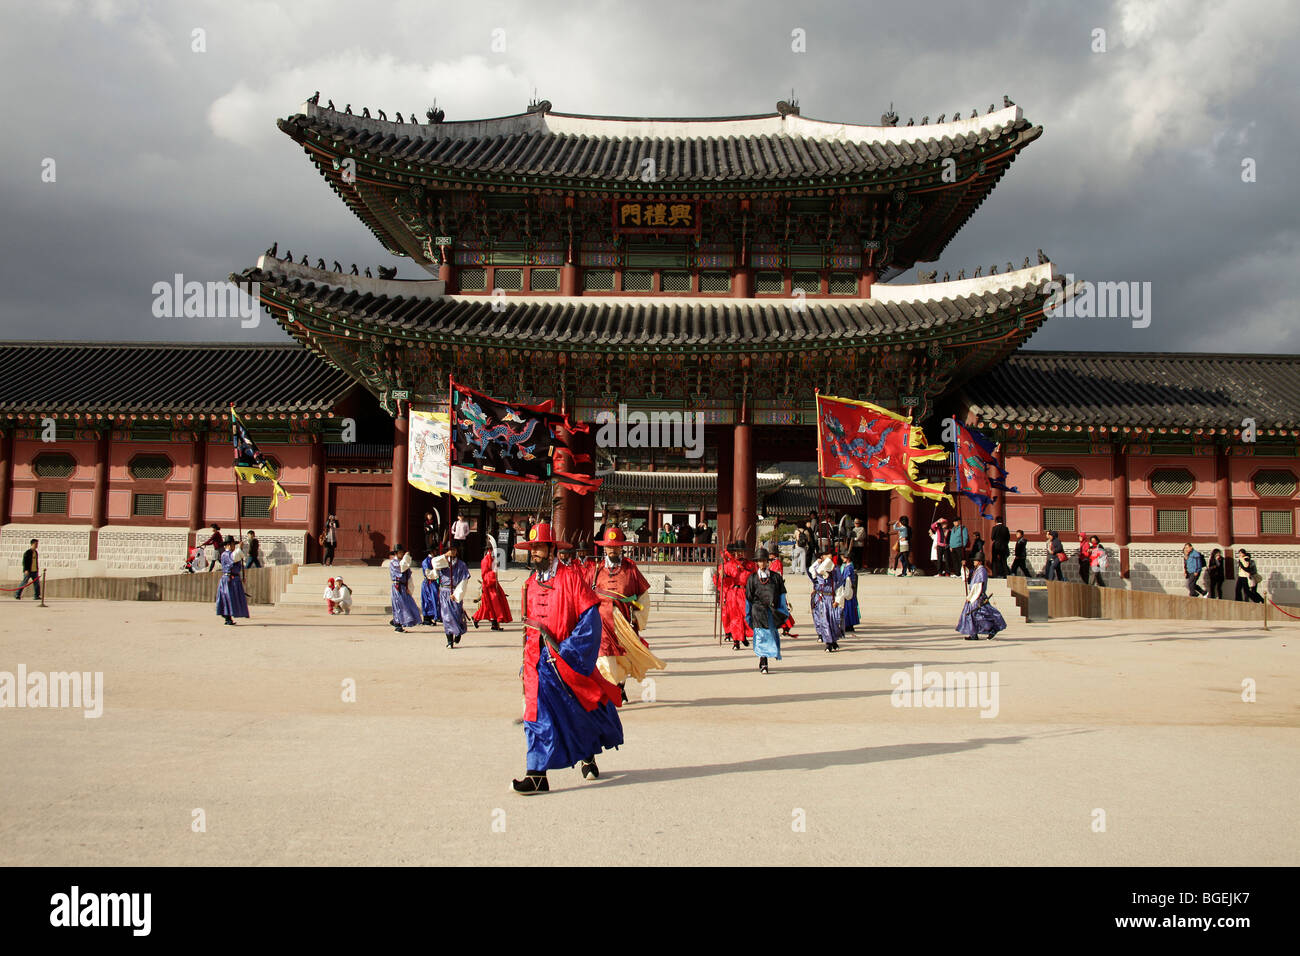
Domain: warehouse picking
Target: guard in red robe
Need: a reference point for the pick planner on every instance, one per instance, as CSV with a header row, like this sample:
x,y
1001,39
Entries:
x,y
736,570
570,710
617,578
493,605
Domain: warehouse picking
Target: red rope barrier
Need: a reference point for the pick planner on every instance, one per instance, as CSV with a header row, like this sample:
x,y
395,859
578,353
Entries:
x,y
1283,610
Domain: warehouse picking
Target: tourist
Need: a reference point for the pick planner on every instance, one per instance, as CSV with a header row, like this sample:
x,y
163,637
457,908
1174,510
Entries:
x,y
703,534
452,575
254,550
492,603
525,527
825,537
802,542
977,613
1097,562
902,562
197,559
570,713
1021,561
1248,578
460,533
776,567
1215,574
1055,555
217,541
1084,559
330,539
31,570
1193,564
666,537
1000,540
958,538
231,600
977,547
506,542
331,595
827,610
846,579
858,544
429,614
406,613
766,609
939,532
621,588
731,589
344,600
430,533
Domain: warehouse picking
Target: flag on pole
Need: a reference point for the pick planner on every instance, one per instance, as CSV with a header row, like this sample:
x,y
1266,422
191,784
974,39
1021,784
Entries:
x,y
973,455
868,447
426,466
250,463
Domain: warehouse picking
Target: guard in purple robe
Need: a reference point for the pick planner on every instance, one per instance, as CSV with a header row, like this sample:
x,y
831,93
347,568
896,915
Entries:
x,y
232,602
406,613
977,614
429,590
452,578
827,610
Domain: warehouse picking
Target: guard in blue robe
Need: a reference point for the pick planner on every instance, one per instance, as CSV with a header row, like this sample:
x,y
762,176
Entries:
x,y
827,618
406,613
452,575
429,591
232,602
765,609
977,614
846,578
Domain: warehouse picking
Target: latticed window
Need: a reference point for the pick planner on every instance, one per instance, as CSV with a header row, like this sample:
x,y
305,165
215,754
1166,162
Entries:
x,y
769,283
638,281
150,467
51,502
809,282
1059,481
675,282
598,280
255,506
1275,484
1275,522
473,280
508,280
150,506
1058,519
843,283
1171,481
1171,522
57,465
544,280
715,282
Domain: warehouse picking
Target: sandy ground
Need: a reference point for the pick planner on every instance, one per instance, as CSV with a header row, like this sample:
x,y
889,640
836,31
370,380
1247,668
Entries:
x,y
812,764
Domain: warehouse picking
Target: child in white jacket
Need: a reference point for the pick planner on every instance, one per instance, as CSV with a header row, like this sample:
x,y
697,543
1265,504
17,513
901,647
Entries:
x,y
331,596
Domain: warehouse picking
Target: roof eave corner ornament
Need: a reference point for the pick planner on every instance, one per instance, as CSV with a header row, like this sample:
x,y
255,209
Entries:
x,y
788,107
890,118
434,115
538,106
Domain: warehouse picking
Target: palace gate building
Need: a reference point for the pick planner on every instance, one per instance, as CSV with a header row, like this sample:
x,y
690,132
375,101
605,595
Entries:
x,y
726,266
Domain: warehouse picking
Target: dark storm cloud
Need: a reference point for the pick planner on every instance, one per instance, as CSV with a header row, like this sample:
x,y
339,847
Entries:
x,y
168,160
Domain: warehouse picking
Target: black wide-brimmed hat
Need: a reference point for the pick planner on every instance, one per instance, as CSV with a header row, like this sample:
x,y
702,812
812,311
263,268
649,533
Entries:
x,y
762,555
230,539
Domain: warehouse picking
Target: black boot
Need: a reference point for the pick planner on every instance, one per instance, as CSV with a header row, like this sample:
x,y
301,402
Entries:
x,y
534,782
230,620
589,769
745,641
475,624
623,691
762,665
450,642
497,627
735,644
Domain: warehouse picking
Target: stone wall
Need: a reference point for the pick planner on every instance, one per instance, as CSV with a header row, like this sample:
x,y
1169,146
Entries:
x,y
143,548
62,545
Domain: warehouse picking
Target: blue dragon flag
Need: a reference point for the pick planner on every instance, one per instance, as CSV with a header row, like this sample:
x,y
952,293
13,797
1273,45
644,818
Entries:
x,y
515,441
976,464
250,463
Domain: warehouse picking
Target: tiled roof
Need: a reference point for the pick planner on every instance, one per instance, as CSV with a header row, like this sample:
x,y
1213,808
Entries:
x,y
752,149
1139,389
123,377
802,500
614,322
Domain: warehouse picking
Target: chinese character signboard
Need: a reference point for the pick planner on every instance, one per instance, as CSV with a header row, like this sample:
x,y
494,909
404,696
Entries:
x,y
642,217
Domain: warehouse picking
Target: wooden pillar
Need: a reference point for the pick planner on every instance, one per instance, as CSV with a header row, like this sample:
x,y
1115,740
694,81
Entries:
x,y
6,471
99,497
316,505
742,283
569,279
401,491
447,273
587,502
865,281
1223,500
567,514
744,486
1119,487
199,480
726,451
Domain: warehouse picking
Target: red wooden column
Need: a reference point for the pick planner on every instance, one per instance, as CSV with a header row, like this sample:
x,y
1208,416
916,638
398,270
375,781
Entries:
x,y
744,486
447,273
567,516
726,451
865,281
99,497
401,491
1119,485
1223,502
569,279
6,471
198,479
587,502
316,496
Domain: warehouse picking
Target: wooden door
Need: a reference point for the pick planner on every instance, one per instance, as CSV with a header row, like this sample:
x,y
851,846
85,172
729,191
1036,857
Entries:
x,y
364,512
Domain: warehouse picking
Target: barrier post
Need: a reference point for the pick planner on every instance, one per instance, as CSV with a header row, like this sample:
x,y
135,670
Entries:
x,y
44,584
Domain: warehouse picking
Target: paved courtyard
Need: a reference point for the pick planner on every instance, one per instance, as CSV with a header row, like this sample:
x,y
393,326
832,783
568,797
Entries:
x,y
1139,726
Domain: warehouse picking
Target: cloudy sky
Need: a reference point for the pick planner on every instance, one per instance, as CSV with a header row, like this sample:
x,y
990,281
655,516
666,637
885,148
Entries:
x,y
167,159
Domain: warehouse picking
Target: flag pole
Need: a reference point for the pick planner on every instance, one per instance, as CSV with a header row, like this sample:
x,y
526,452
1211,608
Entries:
x,y
451,453
239,512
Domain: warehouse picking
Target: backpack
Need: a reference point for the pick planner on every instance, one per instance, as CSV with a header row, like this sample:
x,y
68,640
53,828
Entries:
x,y
1102,561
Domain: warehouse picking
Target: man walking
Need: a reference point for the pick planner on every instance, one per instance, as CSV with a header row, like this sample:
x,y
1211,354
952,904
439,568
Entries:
x,y
766,610
1021,563
802,542
31,571
254,551
858,543
1193,565
218,542
452,577
1000,536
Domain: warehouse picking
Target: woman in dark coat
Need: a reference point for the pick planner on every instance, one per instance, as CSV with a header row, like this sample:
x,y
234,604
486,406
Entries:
x,y
1247,573
1216,574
